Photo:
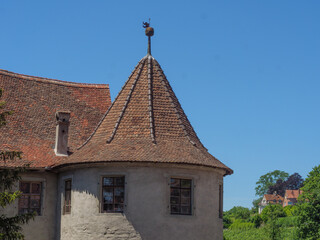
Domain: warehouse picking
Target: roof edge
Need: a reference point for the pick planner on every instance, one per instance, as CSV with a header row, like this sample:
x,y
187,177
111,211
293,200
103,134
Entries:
x,y
62,165
53,81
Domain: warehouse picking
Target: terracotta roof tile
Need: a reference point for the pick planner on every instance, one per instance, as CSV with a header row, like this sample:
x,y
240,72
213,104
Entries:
x,y
272,197
145,123
293,193
35,100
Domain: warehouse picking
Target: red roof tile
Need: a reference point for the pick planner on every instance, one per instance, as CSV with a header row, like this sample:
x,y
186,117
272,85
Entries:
x,y
272,197
35,100
293,193
145,123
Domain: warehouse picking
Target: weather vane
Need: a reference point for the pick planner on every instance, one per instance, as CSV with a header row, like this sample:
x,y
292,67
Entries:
x,y
149,32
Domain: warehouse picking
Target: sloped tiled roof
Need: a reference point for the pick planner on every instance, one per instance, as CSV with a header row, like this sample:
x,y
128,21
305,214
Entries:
x,y
145,123
34,101
273,197
294,194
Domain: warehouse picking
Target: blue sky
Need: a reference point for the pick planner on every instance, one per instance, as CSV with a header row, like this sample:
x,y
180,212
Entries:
x,y
245,72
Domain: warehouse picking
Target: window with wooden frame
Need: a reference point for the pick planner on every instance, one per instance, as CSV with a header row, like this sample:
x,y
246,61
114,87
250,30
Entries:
x,y
220,201
67,196
30,200
180,196
113,194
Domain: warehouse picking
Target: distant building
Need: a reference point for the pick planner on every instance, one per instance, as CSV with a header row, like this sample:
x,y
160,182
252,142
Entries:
x,y
133,169
270,199
291,197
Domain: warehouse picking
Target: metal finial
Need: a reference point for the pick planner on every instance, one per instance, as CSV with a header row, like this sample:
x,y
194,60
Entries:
x,y
149,32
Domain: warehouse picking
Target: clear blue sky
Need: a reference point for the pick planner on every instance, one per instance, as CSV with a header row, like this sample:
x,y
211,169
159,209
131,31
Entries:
x,y
246,72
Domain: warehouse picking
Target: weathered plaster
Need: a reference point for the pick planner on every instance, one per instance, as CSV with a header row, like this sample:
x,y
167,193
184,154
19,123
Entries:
x,y
146,214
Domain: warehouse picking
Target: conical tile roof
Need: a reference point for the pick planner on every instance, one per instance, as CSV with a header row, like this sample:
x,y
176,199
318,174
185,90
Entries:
x,y
145,123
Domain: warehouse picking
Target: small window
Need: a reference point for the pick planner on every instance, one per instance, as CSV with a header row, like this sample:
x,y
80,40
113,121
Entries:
x,y
30,200
67,197
180,196
220,201
113,194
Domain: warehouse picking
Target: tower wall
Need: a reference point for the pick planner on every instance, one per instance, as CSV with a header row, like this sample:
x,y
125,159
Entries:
x,y
147,204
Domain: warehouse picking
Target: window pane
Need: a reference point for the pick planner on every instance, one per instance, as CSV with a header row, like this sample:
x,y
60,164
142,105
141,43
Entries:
x,y
108,181
118,208
35,203
108,207
68,185
36,188
185,210
25,187
119,191
118,199
24,202
108,195
119,181
175,209
175,192
185,183
175,200
185,192
174,182
185,201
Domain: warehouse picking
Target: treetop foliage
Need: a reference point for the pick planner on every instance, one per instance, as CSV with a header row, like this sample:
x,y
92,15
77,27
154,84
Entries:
x,y
294,182
309,207
269,179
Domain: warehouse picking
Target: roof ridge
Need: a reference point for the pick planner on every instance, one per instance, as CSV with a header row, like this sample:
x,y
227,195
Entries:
x,y
127,101
150,99
52,81
104,116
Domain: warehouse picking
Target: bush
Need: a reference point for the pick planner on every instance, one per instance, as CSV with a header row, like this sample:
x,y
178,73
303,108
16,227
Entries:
x,y
241,225
290,210
272,212
256,220
288,221
226,222
239,212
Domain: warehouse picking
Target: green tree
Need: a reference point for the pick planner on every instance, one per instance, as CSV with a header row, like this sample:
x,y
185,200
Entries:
x,y
10,227
270,215
272,211
269,179
239,212
255,204
309,207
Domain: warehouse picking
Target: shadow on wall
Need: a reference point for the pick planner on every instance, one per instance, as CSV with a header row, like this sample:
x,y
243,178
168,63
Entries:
x,y
93,216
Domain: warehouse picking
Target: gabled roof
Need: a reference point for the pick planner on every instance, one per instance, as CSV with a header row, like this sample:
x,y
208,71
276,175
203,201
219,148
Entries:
x,y
273,197
35,100
145,123
293,194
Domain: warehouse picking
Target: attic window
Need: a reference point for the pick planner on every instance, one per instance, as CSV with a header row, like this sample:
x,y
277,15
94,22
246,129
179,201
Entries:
x,y
113,194
180,196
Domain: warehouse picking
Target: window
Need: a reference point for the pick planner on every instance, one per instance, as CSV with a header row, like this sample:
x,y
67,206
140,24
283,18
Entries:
x,y
220,201
67,197
30,200
180,196
112,194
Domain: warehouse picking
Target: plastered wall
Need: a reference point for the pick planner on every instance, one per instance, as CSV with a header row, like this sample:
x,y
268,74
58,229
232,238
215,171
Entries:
x,y
42,227
147,199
